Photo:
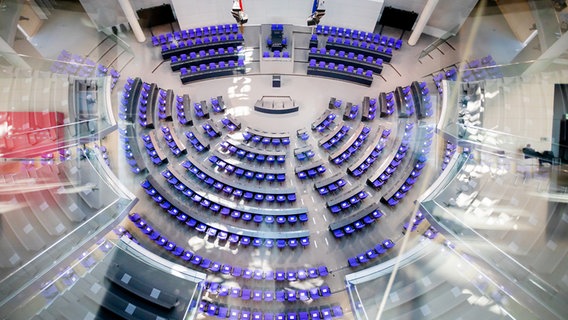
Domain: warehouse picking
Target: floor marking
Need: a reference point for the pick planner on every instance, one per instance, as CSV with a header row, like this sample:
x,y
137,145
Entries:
x,y
326,242
324,218
400,75
315,244
446,42
158,66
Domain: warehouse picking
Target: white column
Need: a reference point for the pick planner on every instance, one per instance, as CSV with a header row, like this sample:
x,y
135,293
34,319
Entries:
x,y
132,20
422,20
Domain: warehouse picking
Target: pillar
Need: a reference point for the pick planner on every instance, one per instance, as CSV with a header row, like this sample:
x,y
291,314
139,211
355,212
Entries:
x,y
132,20
422,20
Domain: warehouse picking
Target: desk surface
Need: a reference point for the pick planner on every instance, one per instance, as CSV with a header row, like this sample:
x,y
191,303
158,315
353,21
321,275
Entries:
x,y
341,75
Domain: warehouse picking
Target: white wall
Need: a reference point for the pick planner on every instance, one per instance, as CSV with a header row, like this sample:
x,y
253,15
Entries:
x,y
447,15
354,14
361,14
199,13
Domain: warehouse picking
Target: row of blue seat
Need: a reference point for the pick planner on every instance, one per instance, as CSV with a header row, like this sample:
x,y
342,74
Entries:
x,y
130,91
201,110
320,126
348,55
218,104
250,215
387,104
265,140
369,107
422,99
360,35
74,64
310,170
395,162
226,269
370,254
119,231
335,103
416,221
182,105
351,147
345,203
448,154
211,129
304,154
133,158
147,99
252,156
351,112
479,69
221,235
236,237
364,164
197,143
175,145
360,44
165,100
212,66
391,168
407,106
258,295
242,191
201,41
333,139
64,157
231,123
203,54
155,154
194,33
356,222
236,313
394,198
407,184
223,69
247,172
437,78
331,186
340,68
276,54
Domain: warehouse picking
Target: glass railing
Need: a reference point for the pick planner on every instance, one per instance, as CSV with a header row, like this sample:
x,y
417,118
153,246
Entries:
x,y
499,214
116,202
60,109
44,292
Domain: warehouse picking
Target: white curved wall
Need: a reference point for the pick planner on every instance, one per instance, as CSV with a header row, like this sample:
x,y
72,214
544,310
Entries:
x,y
358,14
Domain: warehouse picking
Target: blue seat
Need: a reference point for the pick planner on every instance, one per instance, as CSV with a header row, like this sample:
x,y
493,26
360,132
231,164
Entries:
x,y
256,242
